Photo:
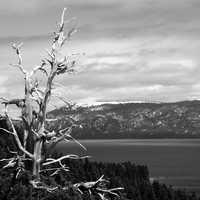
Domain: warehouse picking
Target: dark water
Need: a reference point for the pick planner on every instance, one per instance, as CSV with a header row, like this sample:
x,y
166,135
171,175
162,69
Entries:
x,y
172,161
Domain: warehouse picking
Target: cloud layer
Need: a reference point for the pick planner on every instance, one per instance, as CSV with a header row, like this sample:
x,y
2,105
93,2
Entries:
x,y
141,50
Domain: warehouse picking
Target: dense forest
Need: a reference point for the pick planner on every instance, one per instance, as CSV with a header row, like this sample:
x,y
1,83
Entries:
x,y
134,179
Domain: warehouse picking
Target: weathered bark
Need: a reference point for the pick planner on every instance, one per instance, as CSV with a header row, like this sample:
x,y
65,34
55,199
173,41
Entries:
x,y
27,117
37,158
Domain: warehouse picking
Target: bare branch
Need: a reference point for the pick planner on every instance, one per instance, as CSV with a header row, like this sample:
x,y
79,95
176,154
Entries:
x,y
20,68
54,168
36,134
77,142
96,186
51,55
62,19
51,120
102,196
41,186
16,161
7,131
69,105
39,68
18,102
64,134
110,191
55,140
5,159
70,156
18,52
12,152
11,163
17,139
71,32
66,169
91,184
39,94
50,135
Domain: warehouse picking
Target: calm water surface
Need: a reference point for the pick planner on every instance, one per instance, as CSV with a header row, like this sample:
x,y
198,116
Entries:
x,y
172,161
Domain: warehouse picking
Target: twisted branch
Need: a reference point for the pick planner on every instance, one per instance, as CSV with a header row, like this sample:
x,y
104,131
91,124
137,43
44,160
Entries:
x,y
70,156
14,133
18,52
95,186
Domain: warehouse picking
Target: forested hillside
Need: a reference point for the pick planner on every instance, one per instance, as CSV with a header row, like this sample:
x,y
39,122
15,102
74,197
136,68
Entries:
x,y
133,120
134,179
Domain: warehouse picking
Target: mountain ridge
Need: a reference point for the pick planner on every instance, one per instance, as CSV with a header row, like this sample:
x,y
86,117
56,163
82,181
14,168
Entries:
x,y
132,120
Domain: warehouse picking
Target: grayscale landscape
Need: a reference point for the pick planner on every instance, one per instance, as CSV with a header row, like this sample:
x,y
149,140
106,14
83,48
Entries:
x,y
100,100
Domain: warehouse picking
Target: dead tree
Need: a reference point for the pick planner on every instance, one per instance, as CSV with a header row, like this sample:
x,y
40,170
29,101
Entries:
x,y
34,117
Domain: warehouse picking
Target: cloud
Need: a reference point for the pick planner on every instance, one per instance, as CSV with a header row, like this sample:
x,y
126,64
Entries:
x,y
18,7
134,50
135,70
106,18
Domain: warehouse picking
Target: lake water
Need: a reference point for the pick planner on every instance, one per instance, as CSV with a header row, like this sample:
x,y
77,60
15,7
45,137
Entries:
x,y
172,161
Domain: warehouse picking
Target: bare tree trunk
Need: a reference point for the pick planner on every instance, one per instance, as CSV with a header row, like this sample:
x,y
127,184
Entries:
x,y
27,113
38,153
37,158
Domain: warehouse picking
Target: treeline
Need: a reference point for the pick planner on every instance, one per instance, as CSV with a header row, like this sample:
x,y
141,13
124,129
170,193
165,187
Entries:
x,y
134,179
91,133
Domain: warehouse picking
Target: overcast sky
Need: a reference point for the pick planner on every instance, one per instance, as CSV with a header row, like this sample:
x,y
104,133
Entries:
x,y
130,50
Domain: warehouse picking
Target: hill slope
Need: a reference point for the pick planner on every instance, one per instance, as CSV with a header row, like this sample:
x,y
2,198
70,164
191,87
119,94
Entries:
x,y
133,120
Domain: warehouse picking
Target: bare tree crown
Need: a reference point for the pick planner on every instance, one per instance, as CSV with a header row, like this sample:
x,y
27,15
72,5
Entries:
x,y
33,109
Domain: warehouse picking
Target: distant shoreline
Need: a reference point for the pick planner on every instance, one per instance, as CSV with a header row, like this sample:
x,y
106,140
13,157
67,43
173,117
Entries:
x,y
174,142
156,138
